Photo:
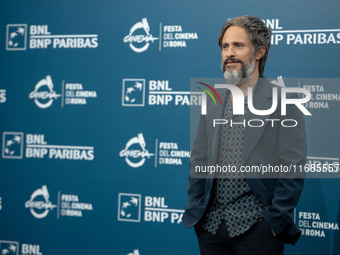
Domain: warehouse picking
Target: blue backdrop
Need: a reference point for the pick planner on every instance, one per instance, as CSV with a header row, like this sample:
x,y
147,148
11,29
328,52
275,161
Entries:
x,y
95,106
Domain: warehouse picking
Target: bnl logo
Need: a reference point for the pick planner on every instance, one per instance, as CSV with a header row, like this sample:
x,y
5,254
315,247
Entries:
x,y
133,92
16,37
12,145
9,247
129,207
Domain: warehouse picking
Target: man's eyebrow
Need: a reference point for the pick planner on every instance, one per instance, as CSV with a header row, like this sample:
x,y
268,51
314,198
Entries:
x,y
234,43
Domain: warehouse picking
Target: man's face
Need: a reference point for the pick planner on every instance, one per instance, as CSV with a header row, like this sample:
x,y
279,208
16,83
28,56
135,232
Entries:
x,y
238,58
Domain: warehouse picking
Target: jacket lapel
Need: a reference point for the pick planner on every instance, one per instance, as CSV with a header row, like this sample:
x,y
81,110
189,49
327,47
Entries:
x,y
262,100
218,114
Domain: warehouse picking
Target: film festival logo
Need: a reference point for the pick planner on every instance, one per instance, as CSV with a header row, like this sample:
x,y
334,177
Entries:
x,y
16,37
129,207
135,152
39,203
9,247
133,92
43,94
69,205
139,37
170,36
12,145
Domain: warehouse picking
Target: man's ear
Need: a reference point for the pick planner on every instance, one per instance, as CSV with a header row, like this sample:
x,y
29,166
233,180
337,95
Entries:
x,y
260,53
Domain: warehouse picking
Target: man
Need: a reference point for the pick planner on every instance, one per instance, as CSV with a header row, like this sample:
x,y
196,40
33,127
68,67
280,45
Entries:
x,y
242,213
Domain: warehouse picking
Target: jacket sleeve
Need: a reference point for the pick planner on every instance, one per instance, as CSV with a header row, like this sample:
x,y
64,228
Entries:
x,y
198,158
293,155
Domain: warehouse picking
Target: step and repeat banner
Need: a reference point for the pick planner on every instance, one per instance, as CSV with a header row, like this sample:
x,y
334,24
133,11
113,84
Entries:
x,y
95,119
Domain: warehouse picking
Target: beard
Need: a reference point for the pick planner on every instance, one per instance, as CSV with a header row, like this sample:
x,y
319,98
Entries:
x,y
241,76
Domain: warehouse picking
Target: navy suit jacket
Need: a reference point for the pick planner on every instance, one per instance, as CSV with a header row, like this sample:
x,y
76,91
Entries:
x,y
265,145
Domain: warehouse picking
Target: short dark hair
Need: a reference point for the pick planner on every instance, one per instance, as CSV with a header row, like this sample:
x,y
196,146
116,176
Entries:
x,y
258,33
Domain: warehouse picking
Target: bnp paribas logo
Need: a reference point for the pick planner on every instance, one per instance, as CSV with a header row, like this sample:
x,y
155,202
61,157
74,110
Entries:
x,y
12,145
16,37
9,247
129,207
133,92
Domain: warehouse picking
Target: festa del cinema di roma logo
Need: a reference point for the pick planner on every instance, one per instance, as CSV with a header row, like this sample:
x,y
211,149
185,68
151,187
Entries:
x,y
40,208
135,152
140,41
69,205
170,36
43,93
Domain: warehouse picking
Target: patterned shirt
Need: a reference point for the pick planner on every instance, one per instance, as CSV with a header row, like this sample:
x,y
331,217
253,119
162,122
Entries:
x,y
233,199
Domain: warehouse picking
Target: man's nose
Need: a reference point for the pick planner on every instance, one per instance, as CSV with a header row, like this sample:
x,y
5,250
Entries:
x,y
230,52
